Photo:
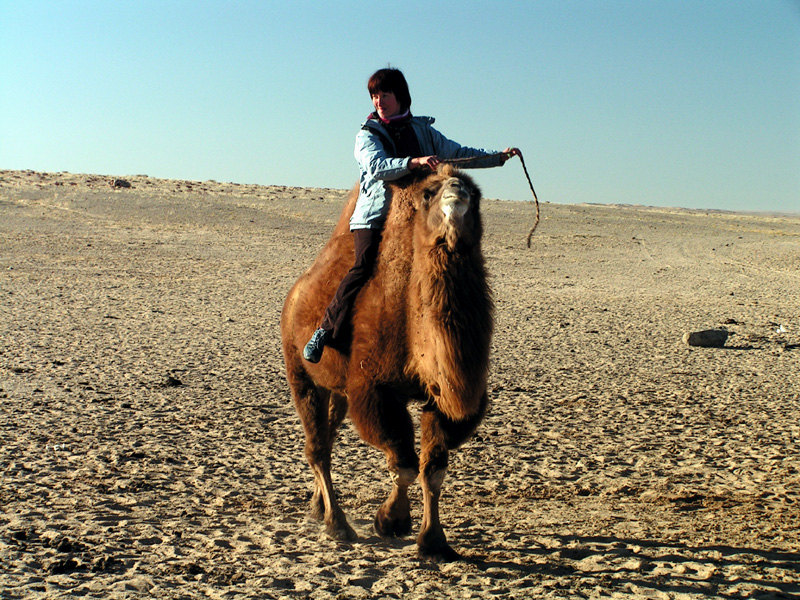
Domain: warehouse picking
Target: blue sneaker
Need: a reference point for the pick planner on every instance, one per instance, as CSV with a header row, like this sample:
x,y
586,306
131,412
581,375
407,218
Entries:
x,y
313,350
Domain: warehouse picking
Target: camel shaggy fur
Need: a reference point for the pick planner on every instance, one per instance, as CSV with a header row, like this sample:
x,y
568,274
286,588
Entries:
x,y
421,330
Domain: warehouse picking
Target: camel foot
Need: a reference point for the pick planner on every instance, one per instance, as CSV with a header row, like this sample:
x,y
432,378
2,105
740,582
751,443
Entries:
x,y
439,554
433,546
341,531
392,526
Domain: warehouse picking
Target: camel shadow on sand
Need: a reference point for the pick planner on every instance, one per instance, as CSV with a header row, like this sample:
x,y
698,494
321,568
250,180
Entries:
x,y
649,566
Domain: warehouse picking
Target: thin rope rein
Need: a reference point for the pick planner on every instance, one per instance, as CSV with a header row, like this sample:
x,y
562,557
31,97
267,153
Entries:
x,y
454,161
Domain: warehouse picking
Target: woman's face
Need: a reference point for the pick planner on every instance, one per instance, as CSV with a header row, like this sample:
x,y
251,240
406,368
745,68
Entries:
x,y
386,104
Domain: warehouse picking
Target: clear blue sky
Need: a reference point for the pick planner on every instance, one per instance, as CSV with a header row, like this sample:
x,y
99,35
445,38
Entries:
x,y
663,103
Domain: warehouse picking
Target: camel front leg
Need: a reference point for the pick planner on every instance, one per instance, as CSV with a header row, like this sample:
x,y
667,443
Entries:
x,y
381,418
439,436
320,416
431,541
394,516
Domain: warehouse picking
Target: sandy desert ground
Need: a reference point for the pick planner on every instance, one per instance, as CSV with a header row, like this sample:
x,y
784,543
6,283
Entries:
x,y
149,447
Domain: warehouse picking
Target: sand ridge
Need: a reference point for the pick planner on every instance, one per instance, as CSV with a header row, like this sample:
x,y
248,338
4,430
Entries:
x,y
149,448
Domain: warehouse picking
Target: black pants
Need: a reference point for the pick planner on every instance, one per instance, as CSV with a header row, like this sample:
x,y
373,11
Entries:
x,y
337,315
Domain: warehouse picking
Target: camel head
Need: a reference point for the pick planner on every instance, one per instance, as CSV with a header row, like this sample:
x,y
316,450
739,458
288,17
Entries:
x,y
449,203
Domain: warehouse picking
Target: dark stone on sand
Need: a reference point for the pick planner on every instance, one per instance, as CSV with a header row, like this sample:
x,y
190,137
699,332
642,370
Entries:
x,y
121,183
171,381
710,338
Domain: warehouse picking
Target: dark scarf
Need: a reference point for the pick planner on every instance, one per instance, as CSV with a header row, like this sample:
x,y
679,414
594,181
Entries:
x,y
402,134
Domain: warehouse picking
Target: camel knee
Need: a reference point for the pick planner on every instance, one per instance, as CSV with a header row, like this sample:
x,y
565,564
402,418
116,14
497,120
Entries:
x,y
403,478
435,460
433,479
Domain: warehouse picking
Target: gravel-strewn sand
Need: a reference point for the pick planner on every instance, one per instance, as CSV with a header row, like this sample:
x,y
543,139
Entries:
x,y
149,447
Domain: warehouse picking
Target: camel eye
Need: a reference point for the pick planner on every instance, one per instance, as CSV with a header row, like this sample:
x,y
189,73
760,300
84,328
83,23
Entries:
x,y
427,195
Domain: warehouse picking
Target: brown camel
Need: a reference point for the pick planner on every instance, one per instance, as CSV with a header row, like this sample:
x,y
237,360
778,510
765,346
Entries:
x,y
421,329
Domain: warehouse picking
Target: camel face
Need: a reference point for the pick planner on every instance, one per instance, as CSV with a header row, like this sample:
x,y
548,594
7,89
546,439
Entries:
x,y
450,207
455,199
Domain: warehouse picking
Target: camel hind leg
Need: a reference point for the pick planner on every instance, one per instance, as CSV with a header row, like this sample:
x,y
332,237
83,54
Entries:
x,y
337,411
439,436
321,413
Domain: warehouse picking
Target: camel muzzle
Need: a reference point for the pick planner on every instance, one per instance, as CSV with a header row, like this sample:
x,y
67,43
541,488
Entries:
x,y
455,199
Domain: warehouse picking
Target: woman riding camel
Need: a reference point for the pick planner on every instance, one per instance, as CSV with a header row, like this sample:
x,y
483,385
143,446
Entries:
x,y
390,144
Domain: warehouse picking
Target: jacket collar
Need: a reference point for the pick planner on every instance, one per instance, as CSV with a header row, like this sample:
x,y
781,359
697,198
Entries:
x,y
373,122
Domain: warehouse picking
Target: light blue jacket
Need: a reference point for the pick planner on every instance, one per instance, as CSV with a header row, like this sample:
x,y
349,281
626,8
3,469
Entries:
x,y
375,153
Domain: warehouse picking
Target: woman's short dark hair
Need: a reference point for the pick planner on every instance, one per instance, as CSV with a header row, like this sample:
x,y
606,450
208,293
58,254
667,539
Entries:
x,y
391,80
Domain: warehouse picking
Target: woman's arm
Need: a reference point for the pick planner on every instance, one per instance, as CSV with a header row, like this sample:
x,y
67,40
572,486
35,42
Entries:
x,y
375,161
